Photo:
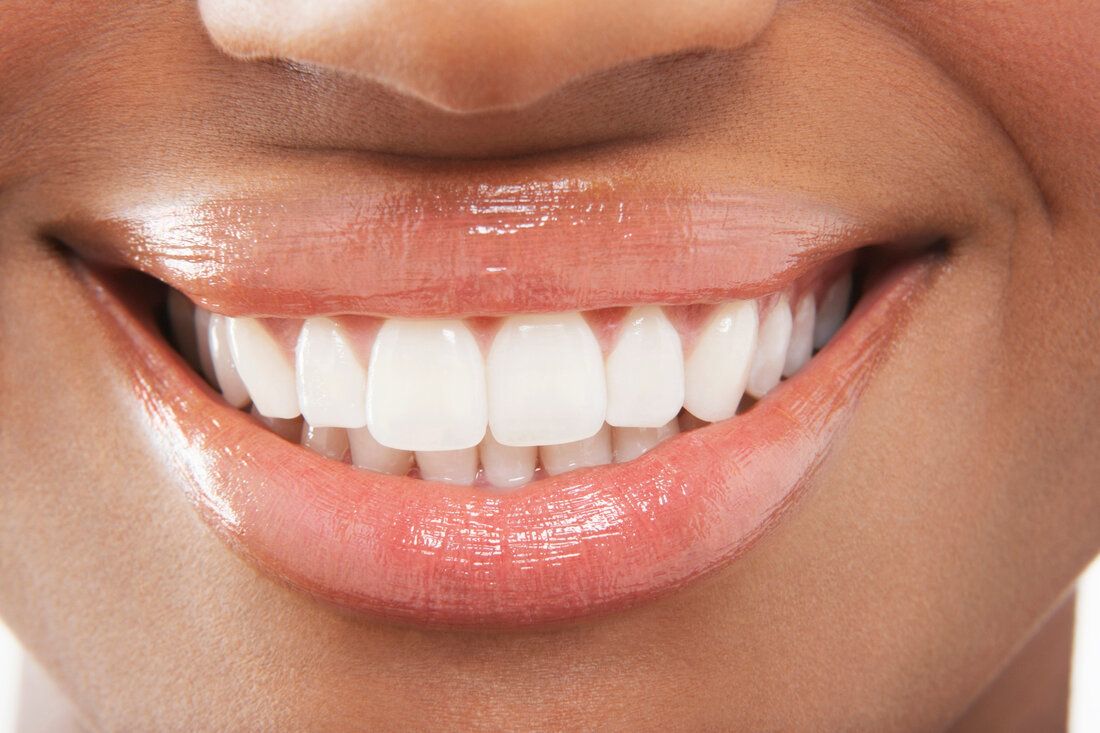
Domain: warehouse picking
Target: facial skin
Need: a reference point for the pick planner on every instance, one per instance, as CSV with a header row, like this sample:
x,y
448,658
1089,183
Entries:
x,y
950,520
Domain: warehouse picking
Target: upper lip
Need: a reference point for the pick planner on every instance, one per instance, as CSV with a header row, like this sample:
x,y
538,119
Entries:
x,y
456,248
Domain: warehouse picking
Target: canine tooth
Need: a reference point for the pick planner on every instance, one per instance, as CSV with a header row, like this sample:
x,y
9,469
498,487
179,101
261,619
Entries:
x,y
771,349
718,367
546,380
288,429
448,466
329,442
426,386
229,381
331,382
202,345
629,443
181,317
833,310
505,466
265,367
645,371
368,453
802,336
592,451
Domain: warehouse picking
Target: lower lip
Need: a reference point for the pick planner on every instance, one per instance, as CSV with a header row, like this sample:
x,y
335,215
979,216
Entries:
x,y
583,543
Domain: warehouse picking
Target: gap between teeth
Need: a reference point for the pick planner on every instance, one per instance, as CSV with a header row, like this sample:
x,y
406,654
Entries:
x,y
450,401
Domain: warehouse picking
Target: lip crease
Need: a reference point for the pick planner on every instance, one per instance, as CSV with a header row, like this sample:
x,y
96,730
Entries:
x,y
587,542
467,249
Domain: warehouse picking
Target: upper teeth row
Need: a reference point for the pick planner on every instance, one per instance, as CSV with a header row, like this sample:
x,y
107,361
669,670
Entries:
x,y
543,380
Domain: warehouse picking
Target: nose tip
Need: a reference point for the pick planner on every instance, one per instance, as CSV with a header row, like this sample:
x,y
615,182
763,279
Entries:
x,y
478,55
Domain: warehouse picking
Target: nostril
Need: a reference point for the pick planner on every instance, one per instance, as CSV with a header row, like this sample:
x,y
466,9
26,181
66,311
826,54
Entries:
x,y
477,57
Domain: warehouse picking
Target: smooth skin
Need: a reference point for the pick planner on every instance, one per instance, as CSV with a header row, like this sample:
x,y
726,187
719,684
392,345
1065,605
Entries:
x,y
947,527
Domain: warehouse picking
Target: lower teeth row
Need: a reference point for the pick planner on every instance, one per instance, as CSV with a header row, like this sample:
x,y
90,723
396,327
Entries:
x,y
499,404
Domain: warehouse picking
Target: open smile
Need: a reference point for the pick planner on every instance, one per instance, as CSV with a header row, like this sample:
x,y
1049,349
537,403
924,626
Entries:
x,y
600,398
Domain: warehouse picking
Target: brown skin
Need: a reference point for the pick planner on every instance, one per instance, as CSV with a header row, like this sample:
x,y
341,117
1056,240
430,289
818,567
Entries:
x,y
948,523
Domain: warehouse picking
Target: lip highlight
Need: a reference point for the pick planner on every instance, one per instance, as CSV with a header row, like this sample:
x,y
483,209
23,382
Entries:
x,y
587,542
456,249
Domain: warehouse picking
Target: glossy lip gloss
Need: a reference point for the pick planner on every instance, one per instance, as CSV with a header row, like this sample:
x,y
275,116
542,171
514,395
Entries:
x,y
587,542
456,250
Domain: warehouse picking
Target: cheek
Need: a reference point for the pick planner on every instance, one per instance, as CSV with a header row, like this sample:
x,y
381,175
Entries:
x,y
1045,57
1036,66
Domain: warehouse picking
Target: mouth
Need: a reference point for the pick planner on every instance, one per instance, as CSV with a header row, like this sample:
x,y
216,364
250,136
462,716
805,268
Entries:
x,y
560,404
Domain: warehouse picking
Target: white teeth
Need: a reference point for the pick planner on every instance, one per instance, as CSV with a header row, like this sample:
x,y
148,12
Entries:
x,y
802,336
645,371
181,317
717,369
331,382
448,466
546,380
265,367
329,442
833,310
368,453
426,386
202,345
771,349
428,398
229,381
505,466
592,451
629,443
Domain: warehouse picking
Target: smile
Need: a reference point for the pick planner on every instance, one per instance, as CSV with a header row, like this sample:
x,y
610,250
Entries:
x,y
533,435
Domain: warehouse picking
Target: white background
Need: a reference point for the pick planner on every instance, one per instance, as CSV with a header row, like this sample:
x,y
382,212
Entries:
x,y
1084,706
